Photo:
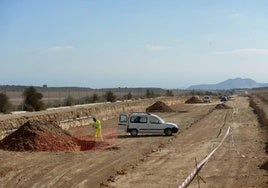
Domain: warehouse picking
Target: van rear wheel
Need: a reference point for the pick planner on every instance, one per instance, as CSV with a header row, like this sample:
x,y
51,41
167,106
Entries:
x,y
168,132
134,132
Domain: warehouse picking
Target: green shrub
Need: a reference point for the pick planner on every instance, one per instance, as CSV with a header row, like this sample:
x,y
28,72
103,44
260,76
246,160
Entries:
x,y
32,100
5,105
150,94
169,93
128,96
69,101
109,96
95,98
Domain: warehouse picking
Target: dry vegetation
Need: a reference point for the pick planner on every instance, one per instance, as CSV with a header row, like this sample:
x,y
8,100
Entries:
x,y
67,96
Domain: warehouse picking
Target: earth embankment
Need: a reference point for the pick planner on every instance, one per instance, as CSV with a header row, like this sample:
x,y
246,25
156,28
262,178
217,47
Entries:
x,y
80,115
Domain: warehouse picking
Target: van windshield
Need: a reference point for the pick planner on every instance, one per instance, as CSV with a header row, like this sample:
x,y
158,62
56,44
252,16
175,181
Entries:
x,y
160,119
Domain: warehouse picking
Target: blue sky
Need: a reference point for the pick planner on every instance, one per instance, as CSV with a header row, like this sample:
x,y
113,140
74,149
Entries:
x,y
127,43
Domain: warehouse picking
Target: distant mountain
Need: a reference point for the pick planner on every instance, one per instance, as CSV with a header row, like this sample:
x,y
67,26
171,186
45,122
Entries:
x,y
230,84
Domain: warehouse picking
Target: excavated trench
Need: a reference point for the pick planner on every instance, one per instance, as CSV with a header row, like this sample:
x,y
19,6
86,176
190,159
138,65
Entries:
x,y
40,135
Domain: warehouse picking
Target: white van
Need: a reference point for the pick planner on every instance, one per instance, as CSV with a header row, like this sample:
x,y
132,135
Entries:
x,y
206,98
141,122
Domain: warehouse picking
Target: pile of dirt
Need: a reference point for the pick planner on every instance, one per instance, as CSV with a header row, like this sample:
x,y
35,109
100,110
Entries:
x,y
159,106
193,100
40,136
264,166
222,106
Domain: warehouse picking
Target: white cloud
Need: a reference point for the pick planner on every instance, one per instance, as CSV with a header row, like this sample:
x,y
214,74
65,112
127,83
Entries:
x,y
245,51
156,47
57,49
237,16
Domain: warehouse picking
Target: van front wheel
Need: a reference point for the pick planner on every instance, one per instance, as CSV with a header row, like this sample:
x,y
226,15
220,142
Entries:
x,y
168,132
134,132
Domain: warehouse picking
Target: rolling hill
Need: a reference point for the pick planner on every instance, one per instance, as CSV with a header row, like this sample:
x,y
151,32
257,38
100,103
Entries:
x,y
236,83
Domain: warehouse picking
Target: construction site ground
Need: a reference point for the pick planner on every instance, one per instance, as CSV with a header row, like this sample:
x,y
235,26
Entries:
x,y
154,160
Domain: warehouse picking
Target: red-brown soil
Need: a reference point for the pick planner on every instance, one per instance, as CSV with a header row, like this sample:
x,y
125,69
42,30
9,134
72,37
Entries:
x,y
47,136
40,136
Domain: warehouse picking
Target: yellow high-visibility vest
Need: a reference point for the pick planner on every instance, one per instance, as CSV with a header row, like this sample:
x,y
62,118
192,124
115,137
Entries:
x,y
97,124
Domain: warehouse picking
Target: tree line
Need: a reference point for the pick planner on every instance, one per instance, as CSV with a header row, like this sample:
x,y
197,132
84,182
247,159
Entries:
x,y
33,99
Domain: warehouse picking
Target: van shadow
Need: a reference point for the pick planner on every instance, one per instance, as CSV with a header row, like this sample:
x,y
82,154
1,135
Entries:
x,y
141,136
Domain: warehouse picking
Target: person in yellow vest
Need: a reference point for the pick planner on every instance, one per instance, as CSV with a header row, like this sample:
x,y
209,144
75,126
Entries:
x,y
97,129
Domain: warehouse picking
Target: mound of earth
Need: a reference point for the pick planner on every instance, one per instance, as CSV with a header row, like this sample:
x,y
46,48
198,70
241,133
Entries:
x,y
264,166
39,136
222,106
159,106
193,100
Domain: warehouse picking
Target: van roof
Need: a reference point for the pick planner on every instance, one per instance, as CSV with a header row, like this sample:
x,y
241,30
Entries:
x,y
140,113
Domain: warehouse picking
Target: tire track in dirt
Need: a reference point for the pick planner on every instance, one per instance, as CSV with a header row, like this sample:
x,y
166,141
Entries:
x,y
227,168
164,168
171,165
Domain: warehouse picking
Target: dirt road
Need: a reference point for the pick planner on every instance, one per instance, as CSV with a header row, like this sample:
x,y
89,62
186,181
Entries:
x,y
152,160
169,166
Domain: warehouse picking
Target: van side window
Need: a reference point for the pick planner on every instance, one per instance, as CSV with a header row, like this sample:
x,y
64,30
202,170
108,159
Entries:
x,y
135,119
138,119
154,120
143,119
122,118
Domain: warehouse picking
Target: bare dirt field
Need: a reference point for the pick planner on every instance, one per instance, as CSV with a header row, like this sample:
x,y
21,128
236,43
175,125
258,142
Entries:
x,y
154,160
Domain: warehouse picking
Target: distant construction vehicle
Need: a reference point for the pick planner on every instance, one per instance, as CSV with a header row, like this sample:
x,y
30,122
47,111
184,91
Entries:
x,y
206,98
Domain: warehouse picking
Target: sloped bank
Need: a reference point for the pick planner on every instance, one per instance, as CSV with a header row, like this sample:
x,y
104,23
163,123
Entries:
x,y
81,115
259,109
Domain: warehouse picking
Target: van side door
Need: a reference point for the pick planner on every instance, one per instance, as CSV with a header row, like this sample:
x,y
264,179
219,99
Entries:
x,y
139,122
123,122
155,125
